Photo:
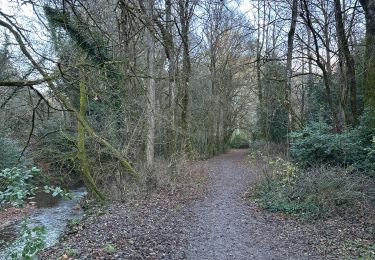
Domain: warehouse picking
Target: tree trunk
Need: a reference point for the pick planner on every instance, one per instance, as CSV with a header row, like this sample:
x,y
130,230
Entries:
x,y
349,70
185,9
261,113
326,70
150,140
288,74
82,155
172,74
369,77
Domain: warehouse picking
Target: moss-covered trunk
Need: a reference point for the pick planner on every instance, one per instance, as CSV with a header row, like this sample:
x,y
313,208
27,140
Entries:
x,y
369,77
82,154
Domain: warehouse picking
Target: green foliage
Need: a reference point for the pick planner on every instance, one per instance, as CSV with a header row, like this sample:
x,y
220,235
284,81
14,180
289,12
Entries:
x,y
239,139
110,248
315,193
56,191
318,143
73,223
32,241
90,41
313,144
367,251
17,185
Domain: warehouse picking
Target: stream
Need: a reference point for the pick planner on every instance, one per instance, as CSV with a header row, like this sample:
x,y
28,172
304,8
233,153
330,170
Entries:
x,y
53,213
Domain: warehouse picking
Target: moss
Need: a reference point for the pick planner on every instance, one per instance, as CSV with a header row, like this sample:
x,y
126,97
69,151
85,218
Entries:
x,y
82,155
369,79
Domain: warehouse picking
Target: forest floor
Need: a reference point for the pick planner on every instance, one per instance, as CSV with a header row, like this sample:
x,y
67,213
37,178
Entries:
x,y
217,222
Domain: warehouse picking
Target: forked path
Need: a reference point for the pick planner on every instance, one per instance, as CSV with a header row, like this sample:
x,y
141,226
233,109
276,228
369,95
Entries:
x,y
225,226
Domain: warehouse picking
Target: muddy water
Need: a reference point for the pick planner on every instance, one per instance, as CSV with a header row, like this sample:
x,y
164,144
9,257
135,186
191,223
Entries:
x,y
51,212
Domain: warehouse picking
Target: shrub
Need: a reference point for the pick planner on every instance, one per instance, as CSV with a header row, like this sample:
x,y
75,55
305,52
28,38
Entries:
x,y
318,143
57,153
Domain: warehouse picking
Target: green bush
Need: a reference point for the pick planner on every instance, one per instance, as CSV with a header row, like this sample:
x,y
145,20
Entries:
x,y
318,143
239,139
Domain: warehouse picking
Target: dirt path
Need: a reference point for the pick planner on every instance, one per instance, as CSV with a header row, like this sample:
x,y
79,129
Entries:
x,y
224,226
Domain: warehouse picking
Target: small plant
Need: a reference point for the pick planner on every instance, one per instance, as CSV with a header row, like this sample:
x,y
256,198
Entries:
x,y
70,251
178,208
56,191
110,248
73,223
368,251
285,170
31,241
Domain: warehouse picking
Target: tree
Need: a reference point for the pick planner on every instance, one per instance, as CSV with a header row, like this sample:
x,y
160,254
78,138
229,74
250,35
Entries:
x,y
349,90
369,78
150,142
185,13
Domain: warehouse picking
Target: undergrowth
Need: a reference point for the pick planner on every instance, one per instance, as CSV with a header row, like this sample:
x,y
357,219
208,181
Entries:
x,y
313,193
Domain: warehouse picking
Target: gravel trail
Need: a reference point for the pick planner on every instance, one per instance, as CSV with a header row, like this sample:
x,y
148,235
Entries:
x,y
225,226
